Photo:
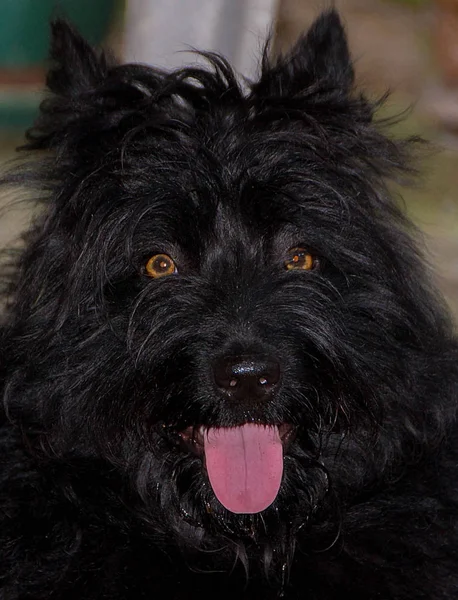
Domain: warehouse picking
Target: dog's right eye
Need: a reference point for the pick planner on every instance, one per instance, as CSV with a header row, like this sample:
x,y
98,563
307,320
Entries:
x,y
300,259
160,265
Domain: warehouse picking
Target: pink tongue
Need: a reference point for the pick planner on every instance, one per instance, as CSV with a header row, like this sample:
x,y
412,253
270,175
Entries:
x,y
244,465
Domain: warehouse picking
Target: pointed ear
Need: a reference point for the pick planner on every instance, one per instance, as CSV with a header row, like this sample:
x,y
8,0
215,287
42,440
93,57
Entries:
x,y
320,58
77,70
76,66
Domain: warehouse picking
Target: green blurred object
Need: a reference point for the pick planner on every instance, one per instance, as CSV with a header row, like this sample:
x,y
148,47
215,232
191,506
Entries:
x,y
24,26
18,109
24,45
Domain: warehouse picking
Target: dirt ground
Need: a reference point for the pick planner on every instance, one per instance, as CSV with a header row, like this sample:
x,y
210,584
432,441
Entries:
x,y
391,44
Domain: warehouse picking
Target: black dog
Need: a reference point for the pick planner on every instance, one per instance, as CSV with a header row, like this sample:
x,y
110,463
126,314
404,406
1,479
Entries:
x,y
224,371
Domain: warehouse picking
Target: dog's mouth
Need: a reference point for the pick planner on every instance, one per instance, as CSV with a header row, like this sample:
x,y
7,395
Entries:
x,y
244,464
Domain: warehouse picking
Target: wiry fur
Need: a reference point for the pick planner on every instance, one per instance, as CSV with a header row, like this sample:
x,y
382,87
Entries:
x,y
101,366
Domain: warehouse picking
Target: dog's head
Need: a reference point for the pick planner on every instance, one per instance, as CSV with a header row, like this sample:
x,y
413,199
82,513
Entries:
x,y
221,300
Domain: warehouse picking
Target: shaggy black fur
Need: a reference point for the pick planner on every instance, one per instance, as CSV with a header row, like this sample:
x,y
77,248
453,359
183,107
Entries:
x,y
108,374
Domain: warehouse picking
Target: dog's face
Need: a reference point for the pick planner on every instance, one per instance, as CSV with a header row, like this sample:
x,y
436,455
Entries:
x,y
222,298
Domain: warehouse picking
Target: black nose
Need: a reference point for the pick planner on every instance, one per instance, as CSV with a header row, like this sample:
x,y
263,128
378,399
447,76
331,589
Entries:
x,y
247,377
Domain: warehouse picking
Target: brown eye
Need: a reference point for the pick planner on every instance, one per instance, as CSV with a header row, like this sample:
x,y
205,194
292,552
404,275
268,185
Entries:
x,y
160,265
301,260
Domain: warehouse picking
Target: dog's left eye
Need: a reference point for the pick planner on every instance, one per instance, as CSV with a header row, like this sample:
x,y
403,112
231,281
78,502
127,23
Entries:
x,y
160,265
300,259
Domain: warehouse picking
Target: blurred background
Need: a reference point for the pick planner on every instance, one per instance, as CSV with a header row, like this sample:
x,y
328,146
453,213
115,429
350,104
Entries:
x,y
407,46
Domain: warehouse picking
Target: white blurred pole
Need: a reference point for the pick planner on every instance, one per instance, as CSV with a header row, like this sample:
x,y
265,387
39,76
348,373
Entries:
x,y
157,30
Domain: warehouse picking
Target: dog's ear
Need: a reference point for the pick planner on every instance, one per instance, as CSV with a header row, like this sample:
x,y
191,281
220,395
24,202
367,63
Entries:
x,y
88,92
76,66
77,71
320,59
